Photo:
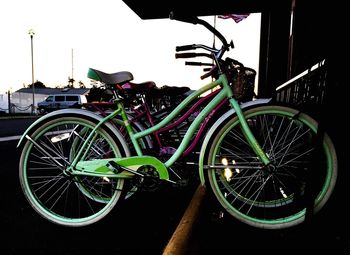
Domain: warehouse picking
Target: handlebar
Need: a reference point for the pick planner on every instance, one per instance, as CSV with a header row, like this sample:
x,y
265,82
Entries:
x,y
192,55
195,20
215,54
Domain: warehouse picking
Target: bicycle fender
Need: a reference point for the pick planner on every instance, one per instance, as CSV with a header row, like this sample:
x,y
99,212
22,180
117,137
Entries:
x,y
217,123
66,112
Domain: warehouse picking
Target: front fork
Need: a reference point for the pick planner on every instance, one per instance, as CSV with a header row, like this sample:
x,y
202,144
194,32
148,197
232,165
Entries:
x,y
248,133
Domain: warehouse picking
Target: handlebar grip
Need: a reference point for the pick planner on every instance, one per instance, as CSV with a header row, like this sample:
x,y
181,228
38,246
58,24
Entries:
x,y
183,18
185,47
210,73
186,55
206,75
189,63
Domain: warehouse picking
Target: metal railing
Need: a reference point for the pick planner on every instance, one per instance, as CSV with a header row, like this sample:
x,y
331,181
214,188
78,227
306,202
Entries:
x,y
306,89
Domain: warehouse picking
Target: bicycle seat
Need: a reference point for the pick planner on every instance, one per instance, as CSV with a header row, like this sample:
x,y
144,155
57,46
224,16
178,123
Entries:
x,y
110,78
174,90
139,87
171,91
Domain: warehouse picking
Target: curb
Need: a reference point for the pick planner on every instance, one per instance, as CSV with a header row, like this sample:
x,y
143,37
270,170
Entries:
x,y
178,243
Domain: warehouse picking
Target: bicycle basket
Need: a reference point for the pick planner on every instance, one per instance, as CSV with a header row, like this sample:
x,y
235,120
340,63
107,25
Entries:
x,y
242,80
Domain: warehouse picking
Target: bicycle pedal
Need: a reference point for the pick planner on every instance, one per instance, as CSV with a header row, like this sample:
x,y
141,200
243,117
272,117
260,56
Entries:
x,y
181,183
114,167
191,163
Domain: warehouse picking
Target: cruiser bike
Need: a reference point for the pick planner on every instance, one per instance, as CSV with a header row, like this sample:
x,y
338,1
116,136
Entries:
x,y
259,161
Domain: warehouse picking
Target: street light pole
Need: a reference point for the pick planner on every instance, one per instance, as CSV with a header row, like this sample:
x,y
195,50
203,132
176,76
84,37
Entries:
x,y
31,33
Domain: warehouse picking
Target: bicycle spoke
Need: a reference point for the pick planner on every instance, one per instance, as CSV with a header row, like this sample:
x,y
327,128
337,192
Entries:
x,y
56,193
271,196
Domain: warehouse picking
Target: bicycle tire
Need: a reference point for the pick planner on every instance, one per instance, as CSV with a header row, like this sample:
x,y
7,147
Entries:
x,y
265,197
57,196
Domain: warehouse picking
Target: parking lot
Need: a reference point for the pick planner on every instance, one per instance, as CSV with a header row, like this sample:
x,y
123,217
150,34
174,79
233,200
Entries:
x,y
147,221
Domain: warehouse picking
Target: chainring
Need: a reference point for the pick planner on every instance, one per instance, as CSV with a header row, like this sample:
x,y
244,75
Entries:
x,y
149,181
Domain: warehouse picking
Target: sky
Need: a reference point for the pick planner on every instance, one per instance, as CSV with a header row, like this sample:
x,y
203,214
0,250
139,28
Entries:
x,y
71,36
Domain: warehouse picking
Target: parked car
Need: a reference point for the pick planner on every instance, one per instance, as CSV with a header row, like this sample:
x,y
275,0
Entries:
x,y
61,101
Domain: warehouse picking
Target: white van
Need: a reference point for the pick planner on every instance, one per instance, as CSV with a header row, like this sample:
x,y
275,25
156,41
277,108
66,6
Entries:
x,y
61,101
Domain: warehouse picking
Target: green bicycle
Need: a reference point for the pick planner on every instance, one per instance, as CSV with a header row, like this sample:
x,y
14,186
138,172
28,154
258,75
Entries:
x,y
75,167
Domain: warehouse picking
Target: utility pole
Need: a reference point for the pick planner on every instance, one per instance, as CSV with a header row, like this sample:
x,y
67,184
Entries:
x,y
31,33
72,65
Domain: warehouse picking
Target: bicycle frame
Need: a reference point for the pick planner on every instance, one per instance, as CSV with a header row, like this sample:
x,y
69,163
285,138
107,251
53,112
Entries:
x,y
130,163
143,111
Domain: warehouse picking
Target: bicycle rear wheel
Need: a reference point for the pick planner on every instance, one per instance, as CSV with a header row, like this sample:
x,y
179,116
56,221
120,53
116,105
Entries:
x,y
61,197
274,196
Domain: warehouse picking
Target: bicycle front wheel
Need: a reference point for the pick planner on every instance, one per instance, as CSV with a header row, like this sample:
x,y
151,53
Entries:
x,y
61,197
274,196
